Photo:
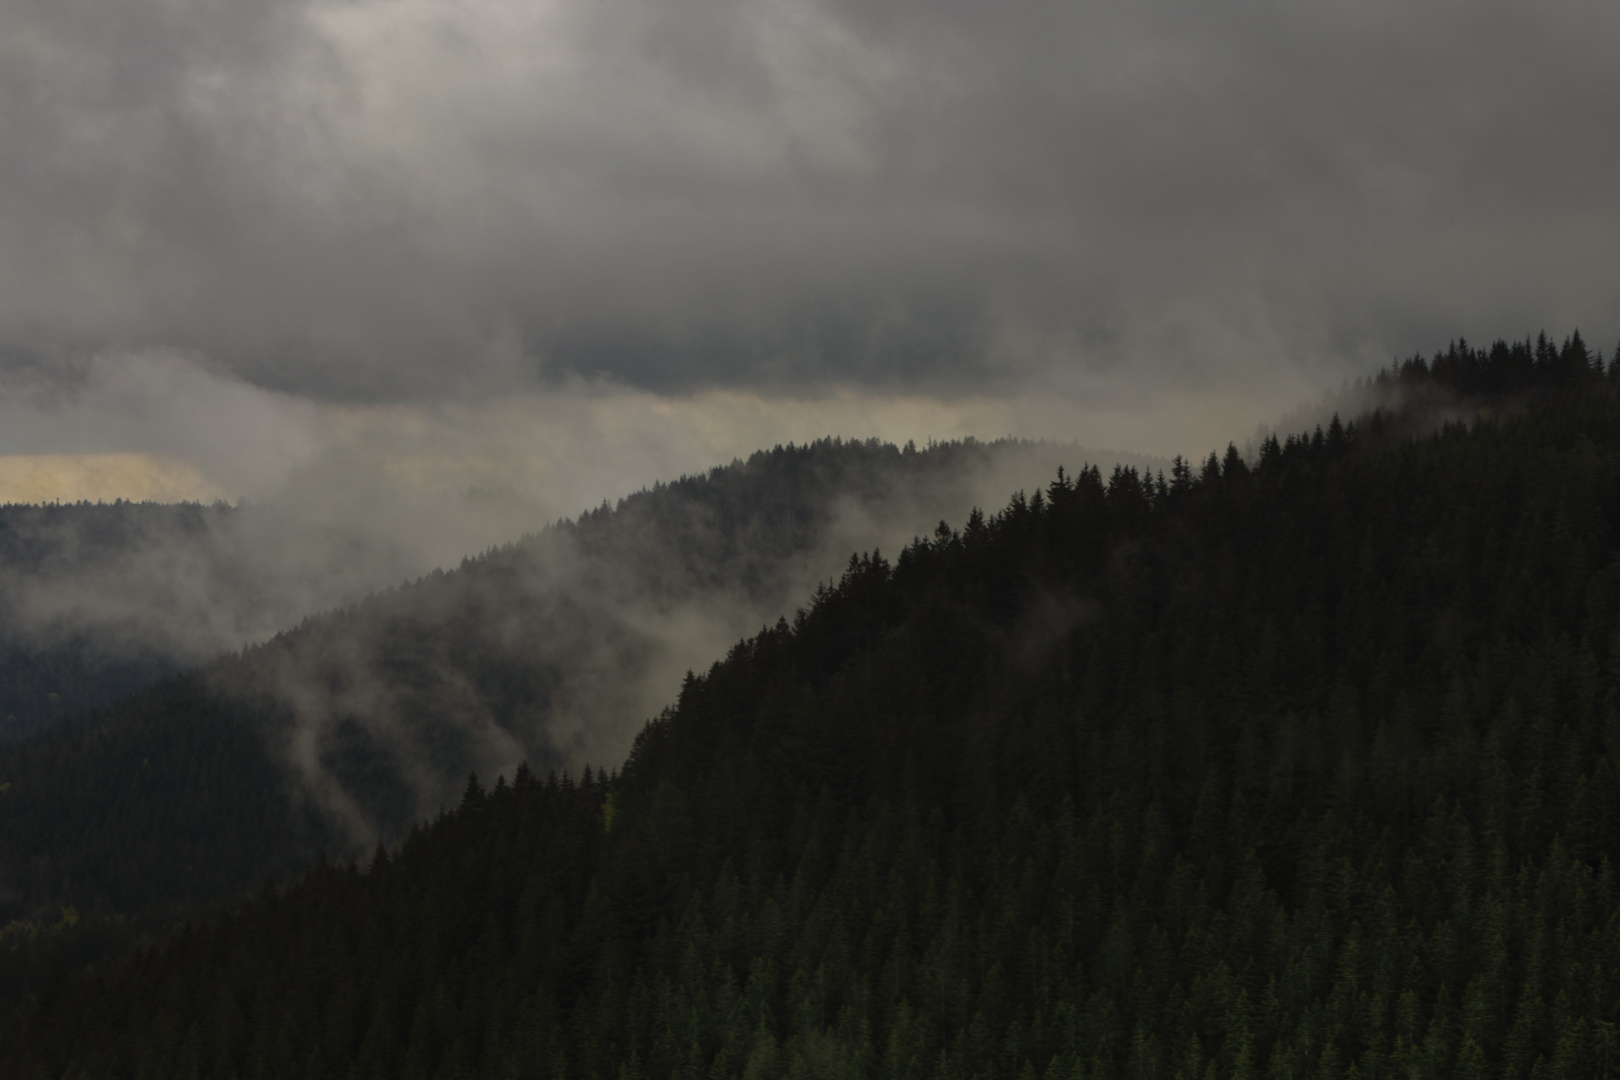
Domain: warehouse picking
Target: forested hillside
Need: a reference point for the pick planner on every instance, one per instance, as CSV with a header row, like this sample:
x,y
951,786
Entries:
x,y
357,723
1305,767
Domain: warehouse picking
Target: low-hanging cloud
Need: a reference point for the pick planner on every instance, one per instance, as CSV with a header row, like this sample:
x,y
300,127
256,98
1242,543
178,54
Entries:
x,y
557,649
391,200
335,502
455,476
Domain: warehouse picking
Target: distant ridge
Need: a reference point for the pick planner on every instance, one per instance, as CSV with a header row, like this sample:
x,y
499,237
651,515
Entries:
x,y
1302,767
361,721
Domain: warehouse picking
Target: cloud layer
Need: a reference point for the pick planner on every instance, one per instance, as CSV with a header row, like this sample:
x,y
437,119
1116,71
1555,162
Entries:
x,y
407,201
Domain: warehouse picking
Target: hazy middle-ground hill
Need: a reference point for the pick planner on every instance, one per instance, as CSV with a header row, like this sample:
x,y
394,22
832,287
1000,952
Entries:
x,y
100,599
91,597
1305,768
553,650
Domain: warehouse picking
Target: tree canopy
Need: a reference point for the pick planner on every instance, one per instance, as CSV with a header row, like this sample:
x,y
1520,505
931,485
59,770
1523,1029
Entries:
x,y
1304,767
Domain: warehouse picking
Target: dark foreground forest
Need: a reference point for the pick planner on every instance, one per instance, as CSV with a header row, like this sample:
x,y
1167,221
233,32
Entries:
x,y
1305,767
361,721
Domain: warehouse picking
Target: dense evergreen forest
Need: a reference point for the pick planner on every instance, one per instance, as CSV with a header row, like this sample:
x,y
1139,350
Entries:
x,y
1304,766
355,724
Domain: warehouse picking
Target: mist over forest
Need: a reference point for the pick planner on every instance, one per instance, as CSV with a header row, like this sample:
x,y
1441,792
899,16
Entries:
x,y
353,724
1170,769
101,599
798,539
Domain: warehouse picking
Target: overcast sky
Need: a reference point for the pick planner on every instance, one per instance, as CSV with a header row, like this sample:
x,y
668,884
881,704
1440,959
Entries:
x,y
242,236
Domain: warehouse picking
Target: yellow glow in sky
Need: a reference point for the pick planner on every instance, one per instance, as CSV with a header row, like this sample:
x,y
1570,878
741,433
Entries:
x,y
39,478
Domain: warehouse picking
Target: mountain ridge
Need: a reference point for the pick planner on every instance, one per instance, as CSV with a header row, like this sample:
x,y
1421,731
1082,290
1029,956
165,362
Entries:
x,y
995,723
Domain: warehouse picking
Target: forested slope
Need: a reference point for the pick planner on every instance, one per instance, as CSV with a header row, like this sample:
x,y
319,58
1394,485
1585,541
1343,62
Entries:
x,y
1304,769
360,721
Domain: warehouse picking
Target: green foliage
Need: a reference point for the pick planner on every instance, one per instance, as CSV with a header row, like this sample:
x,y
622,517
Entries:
x,y
1305,769
181,793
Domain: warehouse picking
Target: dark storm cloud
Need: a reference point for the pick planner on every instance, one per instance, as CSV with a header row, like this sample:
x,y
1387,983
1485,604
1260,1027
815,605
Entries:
x,y
396,198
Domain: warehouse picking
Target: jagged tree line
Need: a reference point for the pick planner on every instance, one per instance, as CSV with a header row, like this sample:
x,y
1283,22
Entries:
x,y
178,797
1304,768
